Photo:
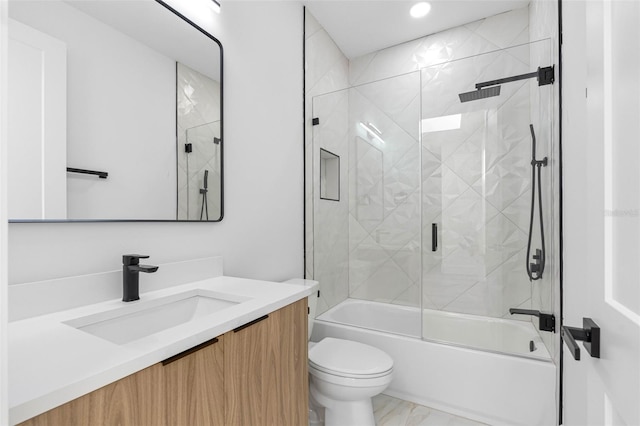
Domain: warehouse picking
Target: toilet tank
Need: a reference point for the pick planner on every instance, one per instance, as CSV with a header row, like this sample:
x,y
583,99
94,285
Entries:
x,y
312,299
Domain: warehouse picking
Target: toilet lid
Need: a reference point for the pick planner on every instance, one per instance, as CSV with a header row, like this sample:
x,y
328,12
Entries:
x,y
344,357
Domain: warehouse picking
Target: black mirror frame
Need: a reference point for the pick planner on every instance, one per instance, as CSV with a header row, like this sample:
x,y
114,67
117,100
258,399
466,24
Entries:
x,y
211,37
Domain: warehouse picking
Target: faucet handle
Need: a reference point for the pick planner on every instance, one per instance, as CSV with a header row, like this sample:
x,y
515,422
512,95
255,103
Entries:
x,y
133,259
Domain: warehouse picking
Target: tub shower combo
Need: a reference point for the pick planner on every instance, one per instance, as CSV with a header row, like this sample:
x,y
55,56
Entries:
x,y
432,245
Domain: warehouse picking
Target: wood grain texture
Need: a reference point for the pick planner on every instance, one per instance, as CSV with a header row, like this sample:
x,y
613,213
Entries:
x,y
286,380
243,364
266,370
136,400
195,388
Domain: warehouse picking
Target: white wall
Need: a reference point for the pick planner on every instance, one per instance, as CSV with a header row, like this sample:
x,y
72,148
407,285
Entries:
x,y
261,234
4,418
575,184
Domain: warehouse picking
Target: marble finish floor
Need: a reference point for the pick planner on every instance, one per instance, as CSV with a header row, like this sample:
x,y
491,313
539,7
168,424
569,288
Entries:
x,y
390,411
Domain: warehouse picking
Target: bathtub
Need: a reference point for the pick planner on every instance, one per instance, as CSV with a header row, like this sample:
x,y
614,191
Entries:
x,y
462,367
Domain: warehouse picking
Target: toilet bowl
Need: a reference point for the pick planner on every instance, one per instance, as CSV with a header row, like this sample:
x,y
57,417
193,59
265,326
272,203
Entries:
x,y
344,375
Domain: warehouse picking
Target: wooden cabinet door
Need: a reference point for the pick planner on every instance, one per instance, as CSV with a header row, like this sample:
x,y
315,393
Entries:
x,y
136,400
244,363
286,383
194,386
266,370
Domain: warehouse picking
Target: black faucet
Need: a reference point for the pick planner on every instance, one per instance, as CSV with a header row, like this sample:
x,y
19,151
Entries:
x,y
130,269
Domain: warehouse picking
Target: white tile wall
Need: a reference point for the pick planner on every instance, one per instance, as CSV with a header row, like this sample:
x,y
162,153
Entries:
x,y
477,174
331,218
384,189
326,71
493,33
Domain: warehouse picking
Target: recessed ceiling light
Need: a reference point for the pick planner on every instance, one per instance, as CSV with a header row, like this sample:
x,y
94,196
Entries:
x,y
419,10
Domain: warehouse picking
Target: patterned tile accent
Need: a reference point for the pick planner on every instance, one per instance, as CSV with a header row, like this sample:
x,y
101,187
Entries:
x,y
384,165
326,71
331,218
480,175
390,411
490,34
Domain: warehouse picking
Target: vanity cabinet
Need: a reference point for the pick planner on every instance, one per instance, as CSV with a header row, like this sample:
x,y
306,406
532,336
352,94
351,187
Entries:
x,y
194,385
133,400
266,381
253,375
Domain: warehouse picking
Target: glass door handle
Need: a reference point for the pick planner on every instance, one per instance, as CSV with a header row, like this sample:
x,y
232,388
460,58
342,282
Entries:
x,y
589,334
434,236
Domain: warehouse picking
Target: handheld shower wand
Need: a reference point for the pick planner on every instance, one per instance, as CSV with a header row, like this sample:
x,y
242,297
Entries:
x,y
535,268
203,191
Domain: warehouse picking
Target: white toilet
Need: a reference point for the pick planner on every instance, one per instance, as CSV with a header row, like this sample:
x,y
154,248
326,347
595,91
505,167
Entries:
x,y
344,375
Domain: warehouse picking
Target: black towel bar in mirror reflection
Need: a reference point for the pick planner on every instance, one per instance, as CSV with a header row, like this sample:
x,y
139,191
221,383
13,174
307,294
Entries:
x,y
101,175
589,334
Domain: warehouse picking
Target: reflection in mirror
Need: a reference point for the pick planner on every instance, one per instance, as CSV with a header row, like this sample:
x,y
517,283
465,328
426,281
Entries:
x,y
199,134
126,88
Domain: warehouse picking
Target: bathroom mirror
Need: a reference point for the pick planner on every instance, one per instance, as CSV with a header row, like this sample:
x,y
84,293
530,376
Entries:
x,y
115,112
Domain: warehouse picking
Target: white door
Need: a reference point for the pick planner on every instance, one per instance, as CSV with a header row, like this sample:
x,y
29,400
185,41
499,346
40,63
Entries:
x,y
37,98
606,391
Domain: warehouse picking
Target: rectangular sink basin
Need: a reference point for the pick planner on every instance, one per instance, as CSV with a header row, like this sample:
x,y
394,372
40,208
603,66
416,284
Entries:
x,y
134,322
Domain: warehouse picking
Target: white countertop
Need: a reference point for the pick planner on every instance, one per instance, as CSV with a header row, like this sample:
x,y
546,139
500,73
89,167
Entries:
x,y
51,363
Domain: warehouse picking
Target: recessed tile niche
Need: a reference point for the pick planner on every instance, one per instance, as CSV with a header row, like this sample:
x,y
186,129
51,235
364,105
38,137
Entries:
x,y
329,176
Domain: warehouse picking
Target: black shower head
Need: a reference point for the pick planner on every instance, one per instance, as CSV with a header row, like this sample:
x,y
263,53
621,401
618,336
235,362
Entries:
x,y
486,92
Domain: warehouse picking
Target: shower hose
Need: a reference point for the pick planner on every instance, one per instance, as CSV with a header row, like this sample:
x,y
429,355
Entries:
x,y
535,269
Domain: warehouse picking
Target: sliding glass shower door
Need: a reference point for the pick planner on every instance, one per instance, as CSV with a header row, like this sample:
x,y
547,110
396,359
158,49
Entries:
x,y
476,186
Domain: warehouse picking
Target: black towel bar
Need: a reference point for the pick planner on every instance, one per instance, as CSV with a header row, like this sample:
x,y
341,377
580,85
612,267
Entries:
x,y
101,175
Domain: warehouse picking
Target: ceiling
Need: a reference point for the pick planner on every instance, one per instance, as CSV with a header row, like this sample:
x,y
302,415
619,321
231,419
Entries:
x,y
362,26
157,28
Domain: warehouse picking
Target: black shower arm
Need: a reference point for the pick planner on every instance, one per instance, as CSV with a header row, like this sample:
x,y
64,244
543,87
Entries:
x,y
545,76
506,80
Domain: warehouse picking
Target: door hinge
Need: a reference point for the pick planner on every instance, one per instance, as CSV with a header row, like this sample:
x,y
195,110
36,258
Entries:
x,y
546,75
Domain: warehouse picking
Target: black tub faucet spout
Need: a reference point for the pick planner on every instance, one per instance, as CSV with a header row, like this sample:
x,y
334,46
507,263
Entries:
x,y
547,321
130,275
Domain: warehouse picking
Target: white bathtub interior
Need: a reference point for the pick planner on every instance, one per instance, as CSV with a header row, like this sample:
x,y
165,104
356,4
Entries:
x,y
489,334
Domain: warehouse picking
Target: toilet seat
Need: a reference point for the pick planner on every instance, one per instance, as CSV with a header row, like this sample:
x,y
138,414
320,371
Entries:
x,y
351,382
348,359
